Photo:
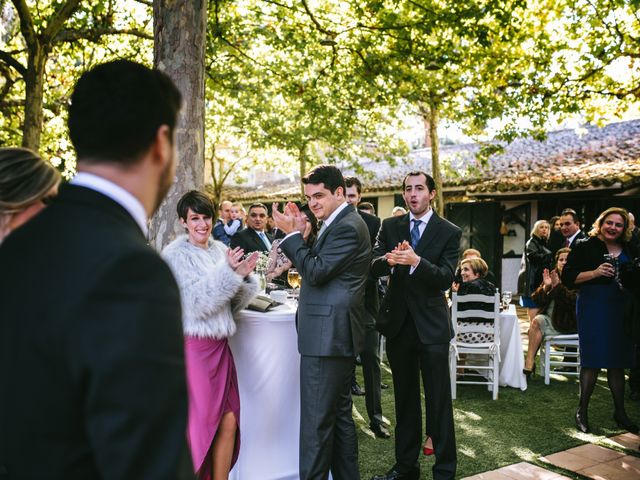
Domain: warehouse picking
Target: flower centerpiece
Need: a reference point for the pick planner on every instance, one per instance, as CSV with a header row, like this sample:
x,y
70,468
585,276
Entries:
x,y
261,269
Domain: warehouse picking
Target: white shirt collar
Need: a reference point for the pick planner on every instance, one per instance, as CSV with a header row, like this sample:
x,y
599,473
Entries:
x,y
424,218
335,213
116,193
570,239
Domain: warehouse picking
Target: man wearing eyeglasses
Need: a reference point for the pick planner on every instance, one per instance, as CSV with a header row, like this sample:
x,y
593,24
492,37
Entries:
x,y
254,238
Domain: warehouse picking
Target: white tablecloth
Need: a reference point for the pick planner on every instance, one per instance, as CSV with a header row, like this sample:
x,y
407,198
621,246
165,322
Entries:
x,y
268,364
511,354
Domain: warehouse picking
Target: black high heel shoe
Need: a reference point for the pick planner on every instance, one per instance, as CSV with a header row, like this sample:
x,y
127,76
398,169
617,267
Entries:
x,y
582,423
625,422
530,373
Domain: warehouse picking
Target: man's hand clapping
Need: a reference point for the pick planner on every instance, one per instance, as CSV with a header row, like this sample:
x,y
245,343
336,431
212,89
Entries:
x,y
403,254
290,220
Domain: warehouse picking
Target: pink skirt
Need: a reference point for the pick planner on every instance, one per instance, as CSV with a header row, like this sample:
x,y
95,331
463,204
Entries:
x,y
213,391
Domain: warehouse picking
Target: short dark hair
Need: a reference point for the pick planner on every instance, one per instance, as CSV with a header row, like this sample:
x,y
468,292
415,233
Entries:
x,y
328,175
258,205
431,184
116,110
366,206
196,201
572,213
351,181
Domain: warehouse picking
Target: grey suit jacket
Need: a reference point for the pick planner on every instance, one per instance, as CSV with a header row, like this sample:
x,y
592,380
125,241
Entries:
x,y
334,270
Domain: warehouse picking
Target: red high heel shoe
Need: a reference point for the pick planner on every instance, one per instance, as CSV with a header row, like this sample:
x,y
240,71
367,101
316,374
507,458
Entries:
x,y
427,451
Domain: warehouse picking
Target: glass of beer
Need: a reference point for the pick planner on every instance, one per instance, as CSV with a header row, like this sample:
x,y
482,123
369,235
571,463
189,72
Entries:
x,y
293,277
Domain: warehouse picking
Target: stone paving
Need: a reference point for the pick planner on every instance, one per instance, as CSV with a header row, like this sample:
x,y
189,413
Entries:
x,y
589,461
619,462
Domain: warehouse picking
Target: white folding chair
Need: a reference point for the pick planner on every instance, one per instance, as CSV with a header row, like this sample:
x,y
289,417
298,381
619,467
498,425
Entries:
x,y
482,359
569,359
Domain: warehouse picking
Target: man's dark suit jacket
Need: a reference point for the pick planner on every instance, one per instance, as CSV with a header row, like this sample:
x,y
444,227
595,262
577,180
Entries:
x,y
91,348
249,241
422,294
371,300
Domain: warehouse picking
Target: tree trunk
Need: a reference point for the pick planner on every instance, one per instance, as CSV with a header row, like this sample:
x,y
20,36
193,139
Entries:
x,y
34,91
302,160
179,29
433,119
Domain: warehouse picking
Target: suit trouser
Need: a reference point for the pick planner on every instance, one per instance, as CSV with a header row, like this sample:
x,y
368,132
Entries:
x,y
328,440
371,375
409,359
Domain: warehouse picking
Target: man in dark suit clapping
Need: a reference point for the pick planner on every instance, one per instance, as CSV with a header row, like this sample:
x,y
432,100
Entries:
x,y
419,252
330,321
91,350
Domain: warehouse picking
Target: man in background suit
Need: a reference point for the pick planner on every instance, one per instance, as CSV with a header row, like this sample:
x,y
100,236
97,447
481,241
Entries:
x,y
419,252
254,238
369,355
330,322
91,356
570,228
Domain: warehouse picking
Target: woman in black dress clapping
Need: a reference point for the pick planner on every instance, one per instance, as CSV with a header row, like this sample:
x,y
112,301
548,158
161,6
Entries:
x,y
592,267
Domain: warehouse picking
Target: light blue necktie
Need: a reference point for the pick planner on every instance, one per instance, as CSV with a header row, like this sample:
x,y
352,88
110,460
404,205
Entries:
x,y
415,233
323,227
265,240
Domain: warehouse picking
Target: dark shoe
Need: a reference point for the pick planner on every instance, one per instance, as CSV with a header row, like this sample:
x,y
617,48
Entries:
x,y
582,423
393,474
379,430
356,389
530,373
384,386
624,422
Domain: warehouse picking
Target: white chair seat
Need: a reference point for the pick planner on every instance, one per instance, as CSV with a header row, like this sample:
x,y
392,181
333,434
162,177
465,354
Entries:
x,y
570,359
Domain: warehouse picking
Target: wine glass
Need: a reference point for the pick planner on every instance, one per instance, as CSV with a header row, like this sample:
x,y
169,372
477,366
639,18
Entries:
x,y
293,278
506,298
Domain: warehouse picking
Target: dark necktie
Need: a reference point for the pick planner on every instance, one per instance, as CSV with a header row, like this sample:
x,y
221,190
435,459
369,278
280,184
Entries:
x,y
567,243
415,233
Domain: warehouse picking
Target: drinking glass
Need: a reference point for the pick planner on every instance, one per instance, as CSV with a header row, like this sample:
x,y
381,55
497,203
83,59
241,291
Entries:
x,y
293,278
506,298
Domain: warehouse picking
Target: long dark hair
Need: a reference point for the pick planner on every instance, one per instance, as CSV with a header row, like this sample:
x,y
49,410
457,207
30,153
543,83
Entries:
x,y
314,223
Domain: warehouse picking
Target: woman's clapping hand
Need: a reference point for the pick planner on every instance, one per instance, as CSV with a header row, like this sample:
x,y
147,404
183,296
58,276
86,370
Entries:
x,y
240,266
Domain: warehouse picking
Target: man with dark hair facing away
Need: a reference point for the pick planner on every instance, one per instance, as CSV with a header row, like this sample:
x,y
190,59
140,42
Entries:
x,y
91,349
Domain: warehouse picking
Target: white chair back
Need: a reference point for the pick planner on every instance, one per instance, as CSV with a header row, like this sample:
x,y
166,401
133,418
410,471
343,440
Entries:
x,y
481,358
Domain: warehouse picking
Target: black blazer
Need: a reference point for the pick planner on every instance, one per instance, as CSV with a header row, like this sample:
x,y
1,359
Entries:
x,y
91,348
371,298
422,293
588,255
249,241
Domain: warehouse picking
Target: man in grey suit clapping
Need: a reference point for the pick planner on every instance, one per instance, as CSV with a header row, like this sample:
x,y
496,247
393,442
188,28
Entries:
x,y
330,321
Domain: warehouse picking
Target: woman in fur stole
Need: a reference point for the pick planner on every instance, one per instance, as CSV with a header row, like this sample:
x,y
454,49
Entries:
x,y
215,282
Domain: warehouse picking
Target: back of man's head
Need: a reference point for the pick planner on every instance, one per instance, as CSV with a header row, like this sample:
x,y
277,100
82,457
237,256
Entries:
x,y
116,110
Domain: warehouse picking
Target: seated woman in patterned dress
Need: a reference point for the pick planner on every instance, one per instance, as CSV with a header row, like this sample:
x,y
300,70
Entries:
x,y
473,272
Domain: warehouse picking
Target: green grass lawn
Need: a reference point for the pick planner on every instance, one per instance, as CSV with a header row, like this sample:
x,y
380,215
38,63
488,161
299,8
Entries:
x,y
519,426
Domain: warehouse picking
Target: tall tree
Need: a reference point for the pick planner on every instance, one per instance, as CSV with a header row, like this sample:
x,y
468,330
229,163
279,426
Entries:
x,y
47,27
179,33
292,88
